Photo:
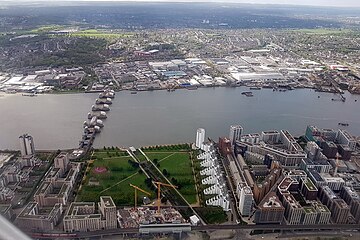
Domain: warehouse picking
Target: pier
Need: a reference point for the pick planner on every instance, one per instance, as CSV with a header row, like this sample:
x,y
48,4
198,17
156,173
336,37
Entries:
x,y
94,123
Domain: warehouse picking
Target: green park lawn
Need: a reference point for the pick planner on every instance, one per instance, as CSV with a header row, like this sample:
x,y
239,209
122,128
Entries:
x,y
115,182
93,33
178,165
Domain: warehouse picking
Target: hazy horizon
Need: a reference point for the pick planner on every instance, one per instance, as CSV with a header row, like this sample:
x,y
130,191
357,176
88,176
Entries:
x,y
324,3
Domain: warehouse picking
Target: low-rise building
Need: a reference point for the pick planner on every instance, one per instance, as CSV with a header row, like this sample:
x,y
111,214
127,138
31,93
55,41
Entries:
x,y
32,219
270,210
6,211
81,216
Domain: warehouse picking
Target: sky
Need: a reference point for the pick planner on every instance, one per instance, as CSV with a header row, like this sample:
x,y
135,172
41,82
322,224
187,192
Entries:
x,y
338,3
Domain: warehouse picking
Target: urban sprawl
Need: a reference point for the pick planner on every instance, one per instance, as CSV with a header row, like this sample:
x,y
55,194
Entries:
x,y
269,178
171,59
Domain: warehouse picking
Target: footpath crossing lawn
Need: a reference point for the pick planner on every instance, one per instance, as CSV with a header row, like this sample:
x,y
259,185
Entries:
x,y
178,166
114,181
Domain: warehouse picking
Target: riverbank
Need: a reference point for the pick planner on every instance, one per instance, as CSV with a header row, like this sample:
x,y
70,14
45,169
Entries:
x,y
161,117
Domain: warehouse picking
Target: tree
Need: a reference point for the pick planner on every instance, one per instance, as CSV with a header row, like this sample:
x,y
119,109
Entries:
x,y
165,172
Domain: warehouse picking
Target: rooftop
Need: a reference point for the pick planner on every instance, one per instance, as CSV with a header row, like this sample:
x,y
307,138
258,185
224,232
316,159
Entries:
x,y
309,210
270,201
309,185
341,203
321,208
107,201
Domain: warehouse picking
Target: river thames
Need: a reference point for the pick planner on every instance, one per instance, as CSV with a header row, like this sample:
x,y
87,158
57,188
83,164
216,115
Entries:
x,y
161,117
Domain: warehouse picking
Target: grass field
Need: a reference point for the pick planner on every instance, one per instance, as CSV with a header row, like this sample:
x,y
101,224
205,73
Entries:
x,y
115,182
93,33
178,165
47,28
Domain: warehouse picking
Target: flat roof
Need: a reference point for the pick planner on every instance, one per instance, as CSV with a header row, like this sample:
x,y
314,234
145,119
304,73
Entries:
x,y
309,210
309,185
108,201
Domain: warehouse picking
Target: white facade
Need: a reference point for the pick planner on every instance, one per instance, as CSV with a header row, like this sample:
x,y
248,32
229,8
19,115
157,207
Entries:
x,y
26,145
213,177
200,137
344,137
245,201
335,183
235,133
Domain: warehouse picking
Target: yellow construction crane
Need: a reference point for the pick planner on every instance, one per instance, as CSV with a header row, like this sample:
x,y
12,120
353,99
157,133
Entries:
x,y
136,188
159,184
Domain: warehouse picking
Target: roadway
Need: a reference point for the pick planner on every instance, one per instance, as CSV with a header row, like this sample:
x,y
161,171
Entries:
x,y
124,231
277,227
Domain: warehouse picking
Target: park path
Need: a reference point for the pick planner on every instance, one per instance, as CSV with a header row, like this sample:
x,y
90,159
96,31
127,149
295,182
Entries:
x,y
167,157
119,182
177,191
108,158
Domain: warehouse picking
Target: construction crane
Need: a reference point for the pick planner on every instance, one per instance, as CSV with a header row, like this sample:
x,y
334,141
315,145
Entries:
x,y
336,164
136,188
159,184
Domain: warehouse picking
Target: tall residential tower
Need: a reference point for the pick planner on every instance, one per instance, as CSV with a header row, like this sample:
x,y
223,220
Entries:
x,y
235,133
200,137
26,145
